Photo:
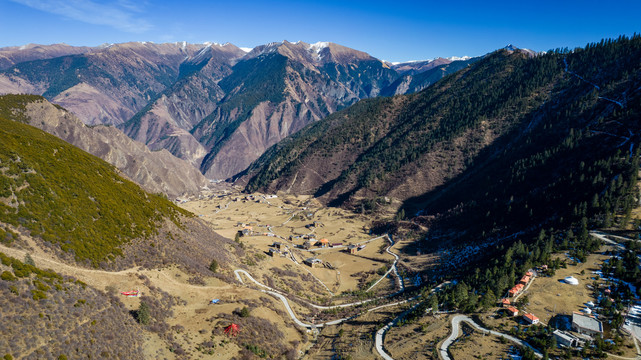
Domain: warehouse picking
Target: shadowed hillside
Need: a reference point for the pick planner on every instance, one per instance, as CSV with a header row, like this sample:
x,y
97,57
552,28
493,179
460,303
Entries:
x,y
507,144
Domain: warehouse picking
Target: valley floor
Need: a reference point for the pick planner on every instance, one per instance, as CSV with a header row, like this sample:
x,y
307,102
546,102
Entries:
x,y
337,307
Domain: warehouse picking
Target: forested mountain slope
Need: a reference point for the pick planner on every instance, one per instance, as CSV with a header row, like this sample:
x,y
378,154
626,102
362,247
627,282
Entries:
x,y
511,140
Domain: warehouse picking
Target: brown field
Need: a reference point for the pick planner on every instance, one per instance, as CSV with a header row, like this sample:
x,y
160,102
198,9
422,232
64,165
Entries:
x,y
549,296
476,345
418,340
286,217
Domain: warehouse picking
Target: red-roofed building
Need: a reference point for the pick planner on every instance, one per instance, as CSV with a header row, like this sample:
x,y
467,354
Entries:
x,y
531,319
529,273
516,289
505,302
512,311
524,280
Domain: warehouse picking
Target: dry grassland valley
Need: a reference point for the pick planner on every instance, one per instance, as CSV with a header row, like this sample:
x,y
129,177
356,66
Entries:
x,y
302,201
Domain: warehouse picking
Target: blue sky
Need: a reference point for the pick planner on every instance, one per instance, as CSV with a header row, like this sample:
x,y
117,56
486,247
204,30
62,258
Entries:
x,y
389,30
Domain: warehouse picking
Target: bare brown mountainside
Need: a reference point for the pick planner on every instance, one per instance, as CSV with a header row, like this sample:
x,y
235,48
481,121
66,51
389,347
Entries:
x,y
106,85
166,122
155,171
214,105
276,90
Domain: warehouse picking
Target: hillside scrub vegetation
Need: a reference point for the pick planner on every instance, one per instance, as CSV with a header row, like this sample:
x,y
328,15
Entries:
x,y
69,198
41,305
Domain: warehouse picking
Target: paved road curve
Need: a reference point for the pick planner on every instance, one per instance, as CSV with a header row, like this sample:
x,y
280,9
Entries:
x,y
379,339
456,322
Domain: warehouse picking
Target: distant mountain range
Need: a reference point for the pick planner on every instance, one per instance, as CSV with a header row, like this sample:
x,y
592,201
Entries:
x,y
216,106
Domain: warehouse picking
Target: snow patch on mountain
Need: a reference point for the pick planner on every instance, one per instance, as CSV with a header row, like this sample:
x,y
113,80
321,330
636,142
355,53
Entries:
x,y
411,61
246,49
317,47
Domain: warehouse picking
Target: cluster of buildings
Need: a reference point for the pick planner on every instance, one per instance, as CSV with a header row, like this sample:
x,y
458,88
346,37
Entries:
x,y
518,288
278,248
584,326
514,312
513,292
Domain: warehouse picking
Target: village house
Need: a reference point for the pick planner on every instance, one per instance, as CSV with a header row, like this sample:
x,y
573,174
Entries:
x,y
313,262
515,290
524,280
324,242
307,245
512,311
586,325
505,302
272,252
531,319
352,249
277,245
